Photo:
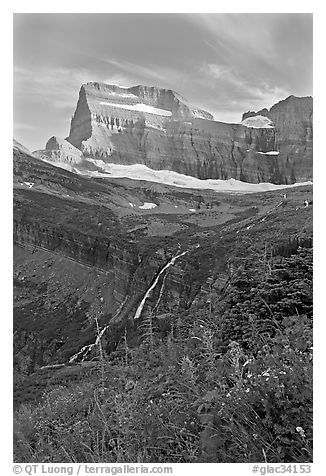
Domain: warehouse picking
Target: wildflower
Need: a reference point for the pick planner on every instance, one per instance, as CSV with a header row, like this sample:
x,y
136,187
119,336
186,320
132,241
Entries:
x,y
301,432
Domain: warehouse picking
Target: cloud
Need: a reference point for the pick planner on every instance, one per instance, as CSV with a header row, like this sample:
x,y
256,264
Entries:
x,y
254,88
44,100
277,47
243,32
119,80
151,74
57,86
231,94
22,126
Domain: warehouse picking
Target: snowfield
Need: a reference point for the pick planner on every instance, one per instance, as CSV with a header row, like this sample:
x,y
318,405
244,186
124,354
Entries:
x,y
258,122
148,206
168,177
140,107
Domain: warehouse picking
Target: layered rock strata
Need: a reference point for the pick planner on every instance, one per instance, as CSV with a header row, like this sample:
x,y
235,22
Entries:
x,y
293,124
158,128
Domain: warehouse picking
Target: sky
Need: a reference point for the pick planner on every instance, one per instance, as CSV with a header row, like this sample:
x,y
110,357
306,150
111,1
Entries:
x,y
224,63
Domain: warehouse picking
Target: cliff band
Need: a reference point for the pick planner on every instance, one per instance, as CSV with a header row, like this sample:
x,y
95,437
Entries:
x,y
158,128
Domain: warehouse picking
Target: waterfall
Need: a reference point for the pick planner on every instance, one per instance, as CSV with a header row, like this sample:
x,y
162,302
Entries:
x,y
87,348
83,349
161,293
150,289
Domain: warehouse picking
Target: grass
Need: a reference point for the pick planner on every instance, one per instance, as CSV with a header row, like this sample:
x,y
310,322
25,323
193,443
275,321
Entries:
x,y
194,393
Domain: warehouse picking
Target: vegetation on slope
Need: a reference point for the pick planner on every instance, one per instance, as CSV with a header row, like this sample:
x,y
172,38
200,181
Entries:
x,y
228,380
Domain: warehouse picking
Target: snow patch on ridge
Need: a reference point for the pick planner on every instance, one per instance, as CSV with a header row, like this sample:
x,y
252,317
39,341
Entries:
x,y
259,122
122,95
148,206
140,107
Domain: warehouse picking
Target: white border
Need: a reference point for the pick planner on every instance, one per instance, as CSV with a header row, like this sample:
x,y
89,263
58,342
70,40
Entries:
x,y
60,6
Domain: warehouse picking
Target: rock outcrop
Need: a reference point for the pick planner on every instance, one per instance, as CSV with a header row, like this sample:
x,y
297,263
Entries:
x,y
293,123
158,128
60,150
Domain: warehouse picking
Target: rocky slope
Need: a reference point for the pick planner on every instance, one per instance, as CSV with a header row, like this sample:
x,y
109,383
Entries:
x,y
86,247
158,128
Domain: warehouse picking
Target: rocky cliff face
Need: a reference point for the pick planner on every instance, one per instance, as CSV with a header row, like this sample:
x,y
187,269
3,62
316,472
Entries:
x,y
158,128
103,110
293,123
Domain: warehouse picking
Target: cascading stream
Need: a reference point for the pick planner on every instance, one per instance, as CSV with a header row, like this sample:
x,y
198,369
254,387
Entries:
x,y
161,293
150,289
87,348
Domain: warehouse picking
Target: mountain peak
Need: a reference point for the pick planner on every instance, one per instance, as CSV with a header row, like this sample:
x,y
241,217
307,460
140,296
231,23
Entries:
x,y
298,102
157,128
152,96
